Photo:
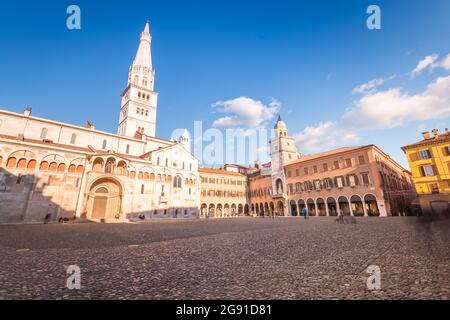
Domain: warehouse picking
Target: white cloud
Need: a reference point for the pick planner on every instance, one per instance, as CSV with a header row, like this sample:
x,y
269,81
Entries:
x,y
381,110
369,86
446,62
372,85
429,62
244,112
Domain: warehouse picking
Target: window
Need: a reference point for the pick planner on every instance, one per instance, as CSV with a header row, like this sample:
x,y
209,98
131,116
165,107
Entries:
x,y
157,161
297,173
352,181
104,144
434,187
348,162
339,182
44,133
362,160
424,154
128,149
447,150
306,170
315,169
289,173
317,185
325,167
427,171
336,165
328,183
365,178
142,189
73,138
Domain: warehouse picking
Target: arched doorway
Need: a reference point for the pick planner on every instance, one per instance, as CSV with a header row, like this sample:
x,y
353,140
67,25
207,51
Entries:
x,y
311,207
371,205
332,207
212,211
204,210
344,206
294,212
280,208
105,200
321,210
357,206
301,206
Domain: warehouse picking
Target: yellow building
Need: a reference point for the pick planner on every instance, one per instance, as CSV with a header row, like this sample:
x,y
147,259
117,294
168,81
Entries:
x,y
429,160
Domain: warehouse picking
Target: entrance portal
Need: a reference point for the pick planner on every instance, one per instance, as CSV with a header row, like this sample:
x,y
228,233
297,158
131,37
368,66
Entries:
x,y
105,200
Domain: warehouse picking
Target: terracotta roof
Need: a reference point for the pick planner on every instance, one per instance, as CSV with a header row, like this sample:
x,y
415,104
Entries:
x,y
220,171
438,139
327,153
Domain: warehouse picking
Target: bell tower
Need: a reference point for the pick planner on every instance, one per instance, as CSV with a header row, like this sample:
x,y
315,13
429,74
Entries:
x,y
282,152
139,100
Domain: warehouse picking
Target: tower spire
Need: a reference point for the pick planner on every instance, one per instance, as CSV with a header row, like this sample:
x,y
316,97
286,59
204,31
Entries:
x,y
143,56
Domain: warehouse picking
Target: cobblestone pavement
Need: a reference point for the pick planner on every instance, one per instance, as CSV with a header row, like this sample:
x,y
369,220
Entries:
x,y
282,258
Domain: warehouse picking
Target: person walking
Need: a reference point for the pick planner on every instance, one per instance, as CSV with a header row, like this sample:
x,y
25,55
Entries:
x,y
305,213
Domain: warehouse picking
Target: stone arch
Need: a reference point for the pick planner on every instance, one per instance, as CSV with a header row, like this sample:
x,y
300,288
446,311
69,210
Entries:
x,y
233,209
280,208
371,204
98,164
293,207
204,210
219,211
301,205
105,199
357,205
226,210
279,186
110,165
343,205
212,210
321,209
332,206
311,205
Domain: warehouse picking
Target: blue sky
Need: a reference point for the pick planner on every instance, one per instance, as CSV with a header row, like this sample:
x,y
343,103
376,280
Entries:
x,y
306,56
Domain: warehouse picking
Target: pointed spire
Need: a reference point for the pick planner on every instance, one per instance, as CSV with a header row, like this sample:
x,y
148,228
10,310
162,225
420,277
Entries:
x,y
279,118
143,56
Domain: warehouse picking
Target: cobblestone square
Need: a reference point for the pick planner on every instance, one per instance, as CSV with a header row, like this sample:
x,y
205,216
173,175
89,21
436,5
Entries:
x,y
260,258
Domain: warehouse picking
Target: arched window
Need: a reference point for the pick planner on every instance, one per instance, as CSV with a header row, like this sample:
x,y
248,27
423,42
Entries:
x,y
110,165
136,80
53,167
73,138
177,182
31,165
80,169
157,161
72,168
104,144
61,167
22,164
43,166
167,162
98,165
144,82
128,149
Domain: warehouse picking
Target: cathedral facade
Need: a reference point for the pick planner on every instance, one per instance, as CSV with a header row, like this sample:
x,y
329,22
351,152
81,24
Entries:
x,y
53,171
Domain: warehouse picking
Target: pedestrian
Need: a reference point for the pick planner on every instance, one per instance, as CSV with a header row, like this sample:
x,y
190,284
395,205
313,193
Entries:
x,y
305,213
341,216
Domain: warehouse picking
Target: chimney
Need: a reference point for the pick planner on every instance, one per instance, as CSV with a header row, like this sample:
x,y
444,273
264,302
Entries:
x,y
27,111
89,125
435,133
426,135
257,164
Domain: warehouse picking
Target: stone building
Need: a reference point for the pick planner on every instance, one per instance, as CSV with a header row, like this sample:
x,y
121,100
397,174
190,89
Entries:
x,y
51,170
429,160
223,192
360,181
